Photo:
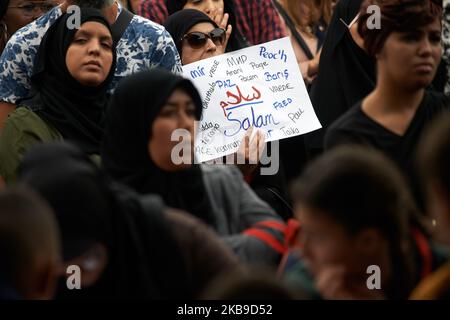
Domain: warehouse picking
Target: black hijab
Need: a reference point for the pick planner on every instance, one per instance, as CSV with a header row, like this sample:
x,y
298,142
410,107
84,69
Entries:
x,y
3,7
237,40
75,110
179,23
143,259
346,73
125,154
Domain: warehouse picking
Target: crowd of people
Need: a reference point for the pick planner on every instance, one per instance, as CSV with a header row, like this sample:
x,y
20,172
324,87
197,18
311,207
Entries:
x,y
92,204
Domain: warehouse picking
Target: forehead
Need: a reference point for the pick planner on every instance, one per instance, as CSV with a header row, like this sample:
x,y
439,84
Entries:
x,y
202,27
94,28
435,26
179,94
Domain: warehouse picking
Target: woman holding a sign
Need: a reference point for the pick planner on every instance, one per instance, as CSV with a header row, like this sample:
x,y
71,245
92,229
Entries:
x,y
197,37
221,11
141,148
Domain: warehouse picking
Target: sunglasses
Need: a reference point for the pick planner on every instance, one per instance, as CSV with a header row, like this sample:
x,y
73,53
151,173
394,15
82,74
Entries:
x,y
198,39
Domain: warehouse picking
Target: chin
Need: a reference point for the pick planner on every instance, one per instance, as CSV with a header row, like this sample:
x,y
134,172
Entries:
x,y
91,81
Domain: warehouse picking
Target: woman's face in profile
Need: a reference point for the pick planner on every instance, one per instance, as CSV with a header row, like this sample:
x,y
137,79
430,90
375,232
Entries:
x,y
177,113
90,57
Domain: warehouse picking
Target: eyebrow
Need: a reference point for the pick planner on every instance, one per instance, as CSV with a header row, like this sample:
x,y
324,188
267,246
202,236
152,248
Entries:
x,y
89,34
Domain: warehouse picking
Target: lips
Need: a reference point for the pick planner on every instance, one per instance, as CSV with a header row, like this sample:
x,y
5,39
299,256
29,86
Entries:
x,y
93,63
424,67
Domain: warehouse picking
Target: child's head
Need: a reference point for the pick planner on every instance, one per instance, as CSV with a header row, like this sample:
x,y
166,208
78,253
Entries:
x,y
352,205
29,244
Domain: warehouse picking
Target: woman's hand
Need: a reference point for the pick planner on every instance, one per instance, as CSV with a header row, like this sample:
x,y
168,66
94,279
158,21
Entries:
x,y
222,21
250,151
313,66
335,283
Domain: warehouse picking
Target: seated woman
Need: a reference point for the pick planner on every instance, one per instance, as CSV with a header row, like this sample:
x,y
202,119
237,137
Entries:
x,y
356,240
73,70
220,11
407,52
139,150
197,37
126,246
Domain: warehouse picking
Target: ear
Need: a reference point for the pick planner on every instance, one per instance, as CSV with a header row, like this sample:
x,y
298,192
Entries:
x,y
92,264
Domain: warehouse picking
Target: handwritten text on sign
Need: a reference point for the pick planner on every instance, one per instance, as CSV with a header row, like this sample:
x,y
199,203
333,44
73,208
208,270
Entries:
x,y
260,86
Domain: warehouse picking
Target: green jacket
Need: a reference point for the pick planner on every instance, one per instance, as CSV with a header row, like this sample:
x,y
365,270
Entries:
x,y
23,129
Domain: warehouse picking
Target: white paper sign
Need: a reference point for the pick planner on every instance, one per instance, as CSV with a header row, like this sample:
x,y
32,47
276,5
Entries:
x,y
260,86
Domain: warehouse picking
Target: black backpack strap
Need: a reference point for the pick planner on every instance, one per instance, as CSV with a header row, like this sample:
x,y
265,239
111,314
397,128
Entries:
x,y
293,29
122,22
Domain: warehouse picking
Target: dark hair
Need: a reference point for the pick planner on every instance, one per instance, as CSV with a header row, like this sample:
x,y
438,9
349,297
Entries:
x,y
28,229
396,16
434,154
359,188
237,40
96,4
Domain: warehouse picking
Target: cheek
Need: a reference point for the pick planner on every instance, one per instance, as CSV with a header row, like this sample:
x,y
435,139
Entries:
x,y
107,62
72,60
190,55
161,137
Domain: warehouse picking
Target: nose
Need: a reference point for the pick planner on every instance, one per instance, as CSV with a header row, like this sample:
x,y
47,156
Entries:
x,y
425,48
94,47
210,46
185,121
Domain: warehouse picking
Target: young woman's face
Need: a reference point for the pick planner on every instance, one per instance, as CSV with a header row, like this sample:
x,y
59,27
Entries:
x,y
207,6
20,13
191,54
410,59
90,57
177,113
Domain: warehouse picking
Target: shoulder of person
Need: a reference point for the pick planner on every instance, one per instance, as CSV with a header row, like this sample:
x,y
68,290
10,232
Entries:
x,y
221,171
350,117
438,99
33,32
143,27
300,281
25,122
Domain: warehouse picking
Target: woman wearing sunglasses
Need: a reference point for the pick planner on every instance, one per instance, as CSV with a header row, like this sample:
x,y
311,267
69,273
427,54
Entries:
x,y
15,14
220,11
196,36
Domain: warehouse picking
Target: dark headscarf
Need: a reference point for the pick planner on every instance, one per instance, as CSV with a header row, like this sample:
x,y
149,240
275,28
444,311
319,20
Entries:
x,y
75,110
237,40
179,23
346,72
144,261
125,154
3,7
